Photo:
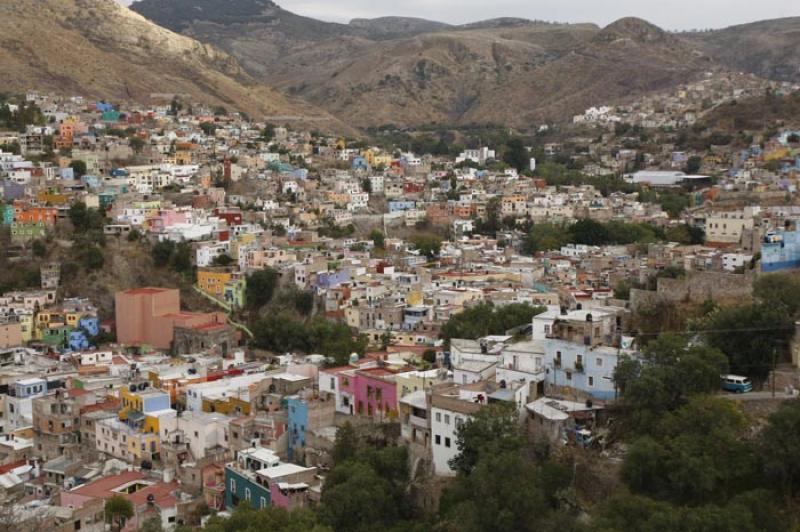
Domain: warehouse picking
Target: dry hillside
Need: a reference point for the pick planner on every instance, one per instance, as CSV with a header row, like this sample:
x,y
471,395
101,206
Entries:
x,y
98,48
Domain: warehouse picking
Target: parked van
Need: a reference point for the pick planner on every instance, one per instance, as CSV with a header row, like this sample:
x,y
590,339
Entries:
x,y
736,384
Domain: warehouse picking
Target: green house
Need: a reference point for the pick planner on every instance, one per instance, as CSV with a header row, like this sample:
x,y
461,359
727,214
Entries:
x,y
27,232
234,293
56,336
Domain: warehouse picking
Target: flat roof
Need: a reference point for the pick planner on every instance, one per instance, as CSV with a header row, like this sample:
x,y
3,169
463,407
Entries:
x,y
282,470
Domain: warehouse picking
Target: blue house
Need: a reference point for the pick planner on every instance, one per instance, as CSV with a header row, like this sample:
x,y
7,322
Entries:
x,y
581,367
298,422
332,279
12,191
780,251
78,341
360,163
90,324
402,205
242,479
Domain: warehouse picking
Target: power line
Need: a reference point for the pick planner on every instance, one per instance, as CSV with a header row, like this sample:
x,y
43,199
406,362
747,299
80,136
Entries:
x,y
702,331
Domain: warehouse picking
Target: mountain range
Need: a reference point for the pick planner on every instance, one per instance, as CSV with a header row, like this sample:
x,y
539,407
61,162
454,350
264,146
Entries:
x,y
98,48
406,72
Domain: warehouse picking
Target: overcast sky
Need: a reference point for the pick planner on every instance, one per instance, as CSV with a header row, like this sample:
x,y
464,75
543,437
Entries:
x,y
673,14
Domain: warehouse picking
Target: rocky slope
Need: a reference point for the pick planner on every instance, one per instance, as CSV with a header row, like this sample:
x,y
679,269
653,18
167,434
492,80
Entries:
x,y
513,75
411,72
770,48
98,48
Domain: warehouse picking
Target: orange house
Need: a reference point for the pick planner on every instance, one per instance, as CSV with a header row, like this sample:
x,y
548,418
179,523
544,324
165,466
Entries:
x,y
37,215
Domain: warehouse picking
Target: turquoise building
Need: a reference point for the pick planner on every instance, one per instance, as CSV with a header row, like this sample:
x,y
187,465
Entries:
x,y
242,479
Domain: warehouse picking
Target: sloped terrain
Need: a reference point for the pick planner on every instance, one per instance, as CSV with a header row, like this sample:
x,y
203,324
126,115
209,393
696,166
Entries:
x,y
98,48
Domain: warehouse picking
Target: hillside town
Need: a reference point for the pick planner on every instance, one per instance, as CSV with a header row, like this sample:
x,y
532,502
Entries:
x,y
197,308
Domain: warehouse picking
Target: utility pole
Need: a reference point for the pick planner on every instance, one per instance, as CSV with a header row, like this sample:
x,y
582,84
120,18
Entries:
x,y
774,356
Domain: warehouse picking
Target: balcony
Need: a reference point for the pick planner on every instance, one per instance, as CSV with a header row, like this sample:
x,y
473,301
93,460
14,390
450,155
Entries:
x,y
578,367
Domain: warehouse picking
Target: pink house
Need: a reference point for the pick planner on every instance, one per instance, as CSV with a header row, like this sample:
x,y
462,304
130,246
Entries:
x,y
374,392
167,218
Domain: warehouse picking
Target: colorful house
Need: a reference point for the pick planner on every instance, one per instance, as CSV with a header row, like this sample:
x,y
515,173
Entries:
x,y
212,281
235,292
6,214
242,479
27,232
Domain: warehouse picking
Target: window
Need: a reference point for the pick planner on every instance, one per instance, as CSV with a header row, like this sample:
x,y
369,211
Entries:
x,y
591,381
547,329
569,375
447,442
438,417
599,362
263,502
333,383
247,494
438,439
447,419
233,486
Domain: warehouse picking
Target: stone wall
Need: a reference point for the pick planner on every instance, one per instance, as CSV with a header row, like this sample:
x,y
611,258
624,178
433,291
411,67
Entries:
x,y
697,287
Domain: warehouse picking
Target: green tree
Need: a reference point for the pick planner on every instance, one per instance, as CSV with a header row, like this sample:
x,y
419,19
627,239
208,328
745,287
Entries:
x,y
261,287
162,253
78,167
428,244
134,235
492,430
92,257
693,165
699,457
245,518
268,133
779,289
79,215
517,155
345,492
181,260
622,290
485,319
378,238
346,444
222,260
589,232
208,128
780,447
752,336
545,237
136,144
152,524
39,248
670,373
117,511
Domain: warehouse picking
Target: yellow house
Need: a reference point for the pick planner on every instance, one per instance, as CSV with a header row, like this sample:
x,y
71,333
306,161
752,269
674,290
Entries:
x,y
385,159
413,381
212,281
242,241
227,406
183,157
415,298
48,198
72,318
26,326
150,442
